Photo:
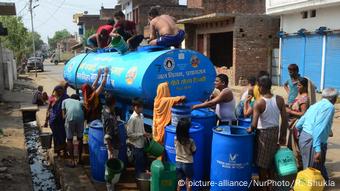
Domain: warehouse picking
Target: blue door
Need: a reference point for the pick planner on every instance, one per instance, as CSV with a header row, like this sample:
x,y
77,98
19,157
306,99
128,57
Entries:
x,y
292,53
332,64
313,59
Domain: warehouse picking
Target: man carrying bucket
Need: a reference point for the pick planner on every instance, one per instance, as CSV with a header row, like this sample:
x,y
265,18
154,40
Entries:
x,y
101,38
127,30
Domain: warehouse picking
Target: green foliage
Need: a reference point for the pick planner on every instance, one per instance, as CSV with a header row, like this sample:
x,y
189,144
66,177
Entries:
x,y
87,34
58,36
17,36
37,40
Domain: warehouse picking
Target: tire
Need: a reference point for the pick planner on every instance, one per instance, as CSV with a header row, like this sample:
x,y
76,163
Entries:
x,y
56,62
42,69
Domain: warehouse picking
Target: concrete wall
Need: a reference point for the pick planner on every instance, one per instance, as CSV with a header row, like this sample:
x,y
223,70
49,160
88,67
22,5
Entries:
x,y
229,6
278,7
8,69
328,17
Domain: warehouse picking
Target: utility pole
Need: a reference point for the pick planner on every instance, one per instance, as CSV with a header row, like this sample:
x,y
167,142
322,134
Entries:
x,y
35,61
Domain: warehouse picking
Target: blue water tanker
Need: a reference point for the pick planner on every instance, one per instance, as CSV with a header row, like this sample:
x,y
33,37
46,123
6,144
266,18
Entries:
x,y
196,132
138,73
231,159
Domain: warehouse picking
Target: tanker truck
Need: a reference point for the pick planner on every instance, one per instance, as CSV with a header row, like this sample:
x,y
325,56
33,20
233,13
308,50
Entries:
x,y
137,74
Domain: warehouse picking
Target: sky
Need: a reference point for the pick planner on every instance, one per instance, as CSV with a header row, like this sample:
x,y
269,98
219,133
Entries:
x,y
54,15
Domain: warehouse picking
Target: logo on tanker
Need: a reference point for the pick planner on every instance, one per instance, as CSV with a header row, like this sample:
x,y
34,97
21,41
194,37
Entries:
x,y
131,75
194,61
169,64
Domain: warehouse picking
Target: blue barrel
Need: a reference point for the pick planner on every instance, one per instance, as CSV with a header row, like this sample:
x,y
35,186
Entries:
x,y
197,134
244,122
138,73
178,112
231,159
122,155
207,119
98,151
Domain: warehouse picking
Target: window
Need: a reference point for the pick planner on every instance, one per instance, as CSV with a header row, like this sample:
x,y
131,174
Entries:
x,y
313,13
304,14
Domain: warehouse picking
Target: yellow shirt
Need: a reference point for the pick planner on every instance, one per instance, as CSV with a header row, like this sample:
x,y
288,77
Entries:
x,y
257,94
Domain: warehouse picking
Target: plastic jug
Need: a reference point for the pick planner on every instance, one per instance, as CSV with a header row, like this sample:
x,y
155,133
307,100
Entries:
x,y
309,179
163,176
285,162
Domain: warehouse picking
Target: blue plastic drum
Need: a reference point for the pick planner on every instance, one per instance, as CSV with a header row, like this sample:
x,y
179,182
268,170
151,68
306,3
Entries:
x,y
207,119
244,122
178,112
231,159
122,138
197,134
98,151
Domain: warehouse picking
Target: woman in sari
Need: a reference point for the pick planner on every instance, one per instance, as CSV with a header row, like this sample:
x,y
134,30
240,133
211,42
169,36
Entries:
x,y
55,119
295,110
162,110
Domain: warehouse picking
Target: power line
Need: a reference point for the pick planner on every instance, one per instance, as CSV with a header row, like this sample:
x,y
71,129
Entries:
x,y
41,24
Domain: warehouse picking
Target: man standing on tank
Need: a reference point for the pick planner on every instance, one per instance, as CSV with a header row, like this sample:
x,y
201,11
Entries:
x,y
101,38
164,31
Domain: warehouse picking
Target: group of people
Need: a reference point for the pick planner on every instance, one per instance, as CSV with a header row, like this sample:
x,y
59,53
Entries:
x,y
163,31
301,124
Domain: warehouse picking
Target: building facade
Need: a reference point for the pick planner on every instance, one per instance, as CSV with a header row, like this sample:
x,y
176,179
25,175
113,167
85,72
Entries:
x,y
310,38
235,35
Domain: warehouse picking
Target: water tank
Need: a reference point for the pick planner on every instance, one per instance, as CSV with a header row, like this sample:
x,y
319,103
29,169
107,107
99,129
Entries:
x,y
196,132
231,159
123,147
98,150
244,122
138,73
207,119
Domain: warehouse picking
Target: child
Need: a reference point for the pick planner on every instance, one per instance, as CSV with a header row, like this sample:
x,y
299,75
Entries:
x,y
73,113
38,97
110,125
249,104
185,149
136,135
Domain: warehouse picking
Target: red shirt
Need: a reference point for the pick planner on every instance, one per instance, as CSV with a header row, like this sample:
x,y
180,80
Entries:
x,y
109,28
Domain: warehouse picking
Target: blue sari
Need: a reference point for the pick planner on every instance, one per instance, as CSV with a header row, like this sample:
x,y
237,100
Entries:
x,y
57,124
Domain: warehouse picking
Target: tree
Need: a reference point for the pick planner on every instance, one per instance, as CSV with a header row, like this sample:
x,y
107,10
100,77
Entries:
x,y
17,36
58,36
37,41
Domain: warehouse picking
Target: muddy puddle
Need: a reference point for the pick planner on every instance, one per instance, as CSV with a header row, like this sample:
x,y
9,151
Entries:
x,y
42,175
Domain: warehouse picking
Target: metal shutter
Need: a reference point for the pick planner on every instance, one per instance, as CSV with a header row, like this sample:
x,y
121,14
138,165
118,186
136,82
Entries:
x,y
313,59
332,65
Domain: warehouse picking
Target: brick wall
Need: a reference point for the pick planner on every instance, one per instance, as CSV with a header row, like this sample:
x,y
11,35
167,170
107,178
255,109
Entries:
x,y
229,6
254,39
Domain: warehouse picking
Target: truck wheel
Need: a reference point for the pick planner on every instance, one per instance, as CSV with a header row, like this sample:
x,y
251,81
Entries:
x,y
55,62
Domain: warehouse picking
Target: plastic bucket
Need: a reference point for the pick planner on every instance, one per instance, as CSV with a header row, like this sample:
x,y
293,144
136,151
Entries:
x,y
143,182
46,140
178,112
154,148
119,44
113,169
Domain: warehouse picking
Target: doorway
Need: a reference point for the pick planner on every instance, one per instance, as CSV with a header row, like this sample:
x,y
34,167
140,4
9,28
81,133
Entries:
x,y
221,49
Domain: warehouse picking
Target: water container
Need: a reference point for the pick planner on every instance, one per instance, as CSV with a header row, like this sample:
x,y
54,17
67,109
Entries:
x,y
154,148
178,112
196,132
86,135
98,151
309,179
285,162
138,73
113,169
122,154
119,44
163,177
244,122
207,119
231,158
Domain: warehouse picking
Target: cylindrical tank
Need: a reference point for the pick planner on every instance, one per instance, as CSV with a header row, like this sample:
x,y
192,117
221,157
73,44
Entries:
x,y
207,119
138,73
98,151
178,112
244,122
122,139
197,134
231,159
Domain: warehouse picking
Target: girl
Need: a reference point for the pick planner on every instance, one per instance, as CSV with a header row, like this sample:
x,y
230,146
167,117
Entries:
x,y
185,149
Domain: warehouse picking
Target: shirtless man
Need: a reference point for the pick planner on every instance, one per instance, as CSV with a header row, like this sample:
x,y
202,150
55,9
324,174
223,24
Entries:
x,y
163,30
